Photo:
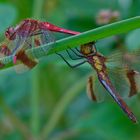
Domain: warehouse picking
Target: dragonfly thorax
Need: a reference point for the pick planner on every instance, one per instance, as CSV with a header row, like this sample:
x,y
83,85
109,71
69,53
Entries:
x,y
98,65
27,27
98,61
87,49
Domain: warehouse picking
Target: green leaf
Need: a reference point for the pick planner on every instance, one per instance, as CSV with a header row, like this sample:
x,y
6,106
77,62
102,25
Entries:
x,y
73,41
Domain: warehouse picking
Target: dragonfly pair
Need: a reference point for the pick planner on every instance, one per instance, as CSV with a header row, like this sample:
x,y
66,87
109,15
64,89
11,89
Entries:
x,y
27,34
118,74
33,33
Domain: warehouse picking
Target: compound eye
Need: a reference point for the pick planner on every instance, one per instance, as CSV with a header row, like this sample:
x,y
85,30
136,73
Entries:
x,y
9,32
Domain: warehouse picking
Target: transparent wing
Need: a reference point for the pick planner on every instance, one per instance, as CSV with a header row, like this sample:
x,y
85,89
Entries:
x,y
134,81
95,90
125,80
4,48
123,72
44,38
8,47
120,81
11,47
125,60
35,40
132,60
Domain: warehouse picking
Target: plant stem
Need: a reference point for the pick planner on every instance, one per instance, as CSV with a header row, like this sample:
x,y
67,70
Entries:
x,y
15,120
35,116
88,36
73,41
61,106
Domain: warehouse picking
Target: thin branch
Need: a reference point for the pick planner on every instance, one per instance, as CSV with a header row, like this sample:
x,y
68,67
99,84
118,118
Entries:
x,y
61,106
74,41
15,120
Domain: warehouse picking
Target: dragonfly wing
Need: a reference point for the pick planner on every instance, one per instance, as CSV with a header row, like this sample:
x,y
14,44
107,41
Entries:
x,y
20,68
47,37
16,44
35,40
123,74
123,60
24,62
120,81
9,47
134,81
115,60
95,90
41,38
107,84
125,81
132,60
4,48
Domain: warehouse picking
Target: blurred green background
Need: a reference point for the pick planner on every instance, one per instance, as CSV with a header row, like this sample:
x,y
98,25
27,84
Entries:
x,y
50,102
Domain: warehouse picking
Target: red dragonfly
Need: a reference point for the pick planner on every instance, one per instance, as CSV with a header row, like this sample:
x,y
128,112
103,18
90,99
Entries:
x,y
21,37
117,73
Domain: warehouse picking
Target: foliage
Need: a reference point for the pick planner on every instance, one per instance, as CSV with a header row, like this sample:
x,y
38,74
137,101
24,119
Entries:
x,y
49,102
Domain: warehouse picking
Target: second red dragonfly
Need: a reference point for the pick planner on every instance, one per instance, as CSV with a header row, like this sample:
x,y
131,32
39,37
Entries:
x,y
25,35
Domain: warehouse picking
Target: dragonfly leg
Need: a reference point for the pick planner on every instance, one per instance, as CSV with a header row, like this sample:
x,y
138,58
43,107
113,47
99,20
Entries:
x,y
72,56
95,48
78,50
94,52
71,66
77,54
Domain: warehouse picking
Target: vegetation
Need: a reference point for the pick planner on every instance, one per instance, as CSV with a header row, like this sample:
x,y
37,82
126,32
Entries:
x,y
50,102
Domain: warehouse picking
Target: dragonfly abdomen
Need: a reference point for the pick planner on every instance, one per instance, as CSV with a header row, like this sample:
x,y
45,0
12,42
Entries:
x,y
105,81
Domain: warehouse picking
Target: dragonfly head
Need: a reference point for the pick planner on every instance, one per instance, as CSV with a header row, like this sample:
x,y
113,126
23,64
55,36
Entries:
x,y
87,49
10,33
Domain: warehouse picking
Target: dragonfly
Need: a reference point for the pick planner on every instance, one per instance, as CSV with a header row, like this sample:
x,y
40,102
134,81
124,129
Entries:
x,y
117,74
25,35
